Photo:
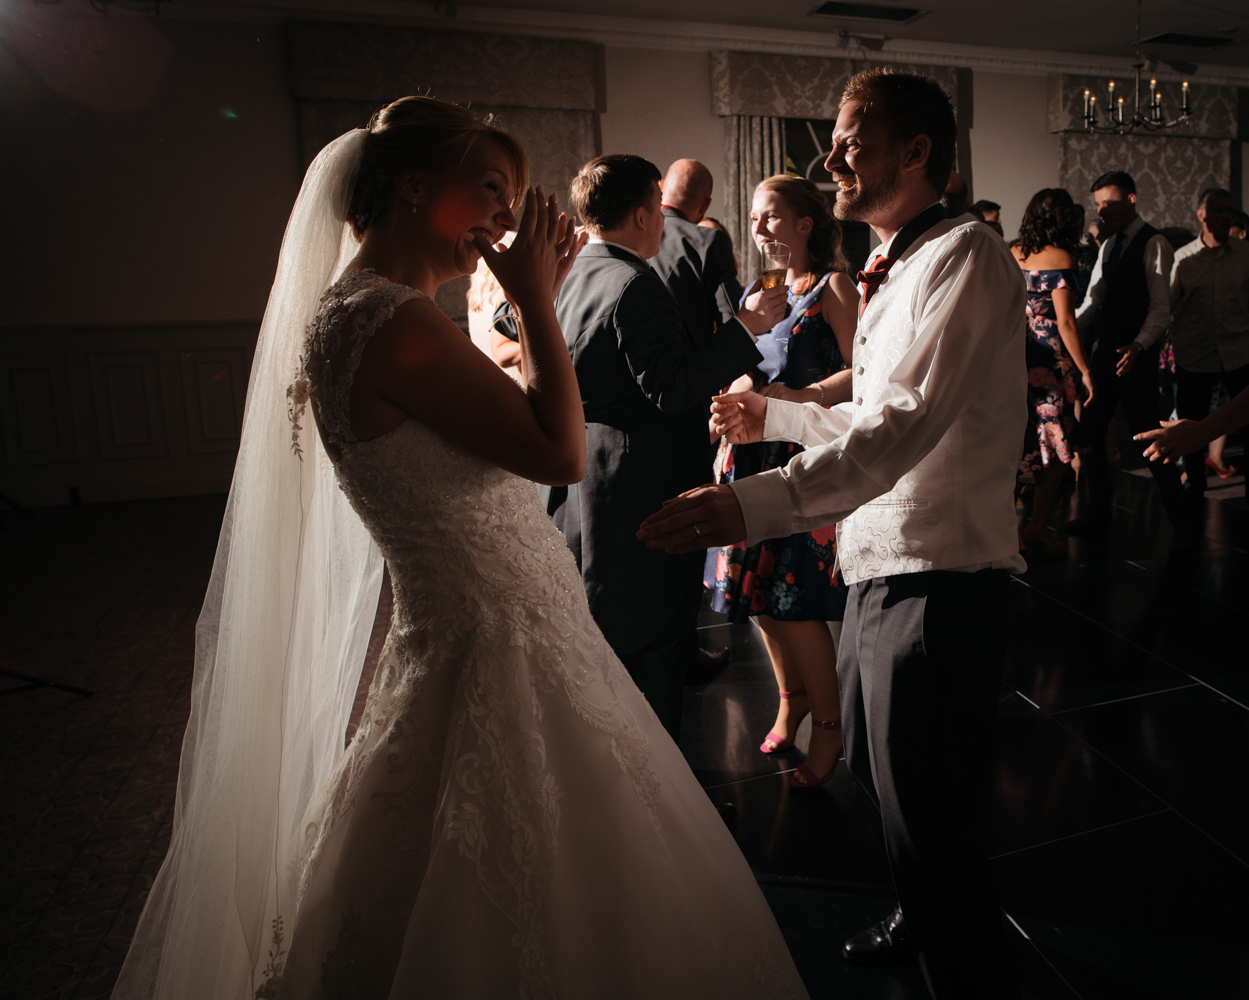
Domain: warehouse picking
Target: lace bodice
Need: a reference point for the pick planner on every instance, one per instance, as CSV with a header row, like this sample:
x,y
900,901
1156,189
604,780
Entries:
x,y
356,306
461,536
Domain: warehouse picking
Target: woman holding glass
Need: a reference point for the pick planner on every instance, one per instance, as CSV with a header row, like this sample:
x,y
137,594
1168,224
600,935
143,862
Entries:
x,y
791,586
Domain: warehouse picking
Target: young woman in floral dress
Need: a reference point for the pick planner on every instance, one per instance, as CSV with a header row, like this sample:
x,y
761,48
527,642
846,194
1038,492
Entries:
x,y
1046,250
791,586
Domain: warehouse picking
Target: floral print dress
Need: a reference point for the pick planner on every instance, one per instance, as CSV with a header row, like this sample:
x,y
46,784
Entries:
x,y
1052,385
794,578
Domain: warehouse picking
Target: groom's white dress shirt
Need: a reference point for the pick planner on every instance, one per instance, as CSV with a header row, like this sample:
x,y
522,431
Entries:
x,y
919,468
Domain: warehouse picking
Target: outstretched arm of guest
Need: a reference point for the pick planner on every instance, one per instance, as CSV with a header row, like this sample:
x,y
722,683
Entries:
x,y
1184,437
653,340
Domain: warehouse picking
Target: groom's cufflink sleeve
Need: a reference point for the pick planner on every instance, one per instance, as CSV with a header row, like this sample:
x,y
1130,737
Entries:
x,y
766,507
783,421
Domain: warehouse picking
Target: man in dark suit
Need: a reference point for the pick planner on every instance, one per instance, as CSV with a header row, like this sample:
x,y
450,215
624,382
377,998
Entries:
x,y
696,263
1126,311
645,388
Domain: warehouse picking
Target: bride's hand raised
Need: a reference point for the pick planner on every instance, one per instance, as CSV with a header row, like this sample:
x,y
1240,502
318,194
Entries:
x,y
529,268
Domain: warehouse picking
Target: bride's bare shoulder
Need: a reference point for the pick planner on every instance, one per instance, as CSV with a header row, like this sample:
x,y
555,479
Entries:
x,y
418,336
419,351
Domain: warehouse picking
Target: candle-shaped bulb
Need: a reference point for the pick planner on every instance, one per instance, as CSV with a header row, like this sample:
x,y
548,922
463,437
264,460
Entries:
x,y
1086,102
1185,91
1119,110
1112,88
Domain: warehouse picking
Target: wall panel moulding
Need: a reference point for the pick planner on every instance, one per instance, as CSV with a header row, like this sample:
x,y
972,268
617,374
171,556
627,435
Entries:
x,y
121,412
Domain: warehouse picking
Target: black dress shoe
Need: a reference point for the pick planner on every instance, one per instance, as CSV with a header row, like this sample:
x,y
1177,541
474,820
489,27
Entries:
x,y
885,943
706,665
728,813
1089,524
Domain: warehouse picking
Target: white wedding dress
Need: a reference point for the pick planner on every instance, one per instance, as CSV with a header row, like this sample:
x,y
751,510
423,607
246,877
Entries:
x,y
511,820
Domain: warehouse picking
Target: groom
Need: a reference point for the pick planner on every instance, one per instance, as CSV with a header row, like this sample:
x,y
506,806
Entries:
x,y
919,470
645,388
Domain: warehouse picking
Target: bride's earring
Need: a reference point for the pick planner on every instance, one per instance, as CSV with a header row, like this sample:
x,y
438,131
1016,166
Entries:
x,y
415,202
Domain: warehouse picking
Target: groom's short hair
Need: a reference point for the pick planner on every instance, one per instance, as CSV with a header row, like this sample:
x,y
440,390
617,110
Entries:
x,y
912,105
608,188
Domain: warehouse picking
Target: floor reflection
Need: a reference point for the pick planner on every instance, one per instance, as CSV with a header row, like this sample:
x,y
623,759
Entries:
x,y
1119,820
1118,823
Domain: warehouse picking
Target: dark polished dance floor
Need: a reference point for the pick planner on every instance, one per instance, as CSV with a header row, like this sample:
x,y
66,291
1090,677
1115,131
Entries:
x,y
1119,823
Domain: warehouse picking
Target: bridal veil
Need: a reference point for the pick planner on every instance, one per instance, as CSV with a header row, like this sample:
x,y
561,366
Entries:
x,y
279,647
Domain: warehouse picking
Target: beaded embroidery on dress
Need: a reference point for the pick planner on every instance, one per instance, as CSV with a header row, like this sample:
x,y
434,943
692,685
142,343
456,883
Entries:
x,y
510,819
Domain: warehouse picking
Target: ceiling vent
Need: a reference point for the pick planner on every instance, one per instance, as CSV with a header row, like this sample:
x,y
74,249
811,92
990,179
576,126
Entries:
x,y
869,12
1187,41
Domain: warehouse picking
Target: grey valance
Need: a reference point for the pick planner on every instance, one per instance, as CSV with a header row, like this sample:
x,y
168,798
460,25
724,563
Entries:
x,y
364,62
773,85
1215,108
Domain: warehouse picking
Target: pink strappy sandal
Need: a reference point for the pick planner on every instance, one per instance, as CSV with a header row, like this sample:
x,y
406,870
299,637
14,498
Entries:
x,y
774,743
804,777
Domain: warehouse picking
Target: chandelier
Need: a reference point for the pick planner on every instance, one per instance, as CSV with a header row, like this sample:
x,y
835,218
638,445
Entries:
x,y
1118,122
1151,119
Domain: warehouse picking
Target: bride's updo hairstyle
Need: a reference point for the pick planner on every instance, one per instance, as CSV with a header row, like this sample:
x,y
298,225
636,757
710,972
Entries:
x,y
421,133
805,200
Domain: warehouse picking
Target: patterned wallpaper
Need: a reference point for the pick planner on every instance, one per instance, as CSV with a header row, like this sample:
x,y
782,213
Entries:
x,y
1215,109
361,62
766,84
1169,173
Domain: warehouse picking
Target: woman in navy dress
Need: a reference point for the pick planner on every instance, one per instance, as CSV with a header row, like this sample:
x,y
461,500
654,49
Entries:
x,y
791,586
1046,250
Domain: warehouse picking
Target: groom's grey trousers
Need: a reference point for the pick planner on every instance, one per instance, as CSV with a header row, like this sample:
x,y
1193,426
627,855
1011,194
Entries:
x,y
920,668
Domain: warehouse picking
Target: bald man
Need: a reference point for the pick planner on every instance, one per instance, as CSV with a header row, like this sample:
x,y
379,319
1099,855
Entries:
x,y
696,263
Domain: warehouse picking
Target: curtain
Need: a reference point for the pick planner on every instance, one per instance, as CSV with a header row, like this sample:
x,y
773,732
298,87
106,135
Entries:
x,y
755,150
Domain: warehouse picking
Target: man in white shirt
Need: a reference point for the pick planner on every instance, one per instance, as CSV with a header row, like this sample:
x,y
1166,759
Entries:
x,y
1126,310
919,469
1210,328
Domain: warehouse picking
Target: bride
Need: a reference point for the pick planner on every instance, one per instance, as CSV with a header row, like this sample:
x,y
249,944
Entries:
x,y
510,820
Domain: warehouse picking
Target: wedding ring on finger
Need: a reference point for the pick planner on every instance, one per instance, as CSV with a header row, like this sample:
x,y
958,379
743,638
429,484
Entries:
x,y
696,531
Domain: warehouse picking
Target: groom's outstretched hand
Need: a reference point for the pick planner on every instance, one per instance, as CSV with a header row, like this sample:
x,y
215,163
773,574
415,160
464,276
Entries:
x,y
705,518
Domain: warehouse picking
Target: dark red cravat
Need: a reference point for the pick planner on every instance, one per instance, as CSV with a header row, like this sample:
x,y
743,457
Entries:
x,y
909,233
872,277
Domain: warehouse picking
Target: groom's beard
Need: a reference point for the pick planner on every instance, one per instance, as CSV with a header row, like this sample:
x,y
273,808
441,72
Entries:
x,y
867,197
